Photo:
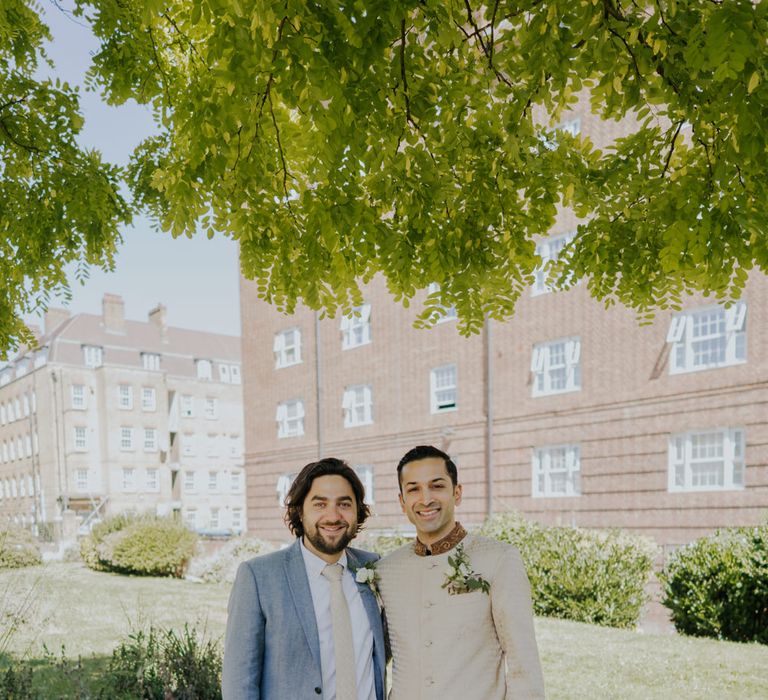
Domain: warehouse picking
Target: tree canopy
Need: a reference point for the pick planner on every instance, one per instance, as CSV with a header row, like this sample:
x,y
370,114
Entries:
x,y
416,139
59,203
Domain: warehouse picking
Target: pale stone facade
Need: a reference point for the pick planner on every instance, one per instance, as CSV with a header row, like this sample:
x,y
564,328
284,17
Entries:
x,y
118,415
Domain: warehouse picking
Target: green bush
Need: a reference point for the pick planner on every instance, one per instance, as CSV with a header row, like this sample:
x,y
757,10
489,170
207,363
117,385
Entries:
x,y
16,681
718,586
144,545
382,544
221,565
583,575
18,548
156,665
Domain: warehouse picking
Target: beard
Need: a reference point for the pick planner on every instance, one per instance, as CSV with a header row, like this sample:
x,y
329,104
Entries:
x,y
323,545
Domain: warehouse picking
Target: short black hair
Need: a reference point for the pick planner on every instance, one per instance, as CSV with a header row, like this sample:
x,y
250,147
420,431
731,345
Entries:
x,y
424,452
302,485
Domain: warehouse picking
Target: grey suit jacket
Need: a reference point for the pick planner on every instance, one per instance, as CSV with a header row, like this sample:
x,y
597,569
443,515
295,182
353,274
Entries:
x,y
271,646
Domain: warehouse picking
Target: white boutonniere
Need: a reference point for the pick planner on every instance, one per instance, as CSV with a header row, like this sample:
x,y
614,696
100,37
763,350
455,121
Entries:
x,y
461,578
367,574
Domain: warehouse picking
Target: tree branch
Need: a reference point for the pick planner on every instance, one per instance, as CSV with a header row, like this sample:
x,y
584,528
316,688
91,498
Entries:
x,y
671,148
160,68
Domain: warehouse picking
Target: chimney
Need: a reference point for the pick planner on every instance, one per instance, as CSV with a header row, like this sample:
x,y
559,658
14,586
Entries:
x,y
113,313
157,318
54,318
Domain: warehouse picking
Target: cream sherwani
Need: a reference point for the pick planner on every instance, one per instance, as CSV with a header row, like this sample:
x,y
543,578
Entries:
x,y
473,646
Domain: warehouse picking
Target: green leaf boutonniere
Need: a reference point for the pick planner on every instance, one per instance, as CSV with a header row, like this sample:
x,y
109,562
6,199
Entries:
x,y
461,578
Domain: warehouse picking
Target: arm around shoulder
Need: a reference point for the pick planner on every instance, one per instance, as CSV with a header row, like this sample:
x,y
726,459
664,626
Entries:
x,y
244,639
512,610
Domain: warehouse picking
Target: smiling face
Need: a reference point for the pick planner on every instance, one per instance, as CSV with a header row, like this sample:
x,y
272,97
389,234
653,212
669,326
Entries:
x,y
329,516
428,498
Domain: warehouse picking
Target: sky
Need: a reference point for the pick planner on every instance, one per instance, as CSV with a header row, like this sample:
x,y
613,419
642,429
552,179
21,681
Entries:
x,y
197,279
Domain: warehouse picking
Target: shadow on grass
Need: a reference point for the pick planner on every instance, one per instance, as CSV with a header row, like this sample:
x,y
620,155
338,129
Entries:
x,y
53,677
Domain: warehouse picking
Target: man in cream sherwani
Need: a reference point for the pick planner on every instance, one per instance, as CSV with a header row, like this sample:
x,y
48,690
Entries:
x,y
476,642
299,624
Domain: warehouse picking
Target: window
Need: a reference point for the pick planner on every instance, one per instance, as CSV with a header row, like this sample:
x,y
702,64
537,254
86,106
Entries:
x,y
442,313
11,416
212,445
556,367
236,481
287,348
213,480
189,481
21,368
3,415
237,518
125,397
234,446
224,374
17,408
357,404
33,399
150,440
707,338
126,438
148,398
365,472
41,358
556,471
570,126
81,480
214,520
81,438
548,250
211,408
93,355
150,361
152,481
442,382
25,405
710,460
190,517
27,445
5,377
290,418
284,482
187,406
5,451
204,370
234,373
356,327
129,479
188,445
78,396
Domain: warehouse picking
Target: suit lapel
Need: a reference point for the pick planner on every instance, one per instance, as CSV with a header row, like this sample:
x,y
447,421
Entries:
x,y
366,594
298,584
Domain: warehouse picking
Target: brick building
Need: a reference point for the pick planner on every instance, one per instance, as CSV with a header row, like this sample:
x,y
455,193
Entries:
x,y
568,412
111,415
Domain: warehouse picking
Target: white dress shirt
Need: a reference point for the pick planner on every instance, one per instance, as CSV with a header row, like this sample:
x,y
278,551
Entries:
x,y
362,637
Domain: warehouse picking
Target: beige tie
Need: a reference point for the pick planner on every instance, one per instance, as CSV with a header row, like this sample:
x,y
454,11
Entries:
x,y
343,649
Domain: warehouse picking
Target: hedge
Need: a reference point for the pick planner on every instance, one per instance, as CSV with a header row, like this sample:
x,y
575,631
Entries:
x,y
18,548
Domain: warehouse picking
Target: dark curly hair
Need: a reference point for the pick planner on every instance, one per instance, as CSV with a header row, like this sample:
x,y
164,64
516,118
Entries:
x,y
303,483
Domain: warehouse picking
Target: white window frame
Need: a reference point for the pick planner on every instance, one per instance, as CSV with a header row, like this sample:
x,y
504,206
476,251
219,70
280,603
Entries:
x,y
3,414
80,433
236,481
188,444
214,521
128,479
548,250
150,361
81,480
224,376
365,472
148,398
190,518
187,406
290,418
125,397
445,313
683,337
213,481
78,397
439,391
283,486
234,374
93,355
190,481
126,438
211,408
152,480
683,460
212,445
551,461
204,370
546,369
150,439
287,353
237,519
356,327
357,405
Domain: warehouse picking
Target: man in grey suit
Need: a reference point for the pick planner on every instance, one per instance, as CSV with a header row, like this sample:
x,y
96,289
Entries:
x,y
300,626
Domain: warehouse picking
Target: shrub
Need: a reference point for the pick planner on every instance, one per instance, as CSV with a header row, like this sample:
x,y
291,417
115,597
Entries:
x,y
16,682
144,545
18,548
158,664
382,544
718,586
222,564
584,575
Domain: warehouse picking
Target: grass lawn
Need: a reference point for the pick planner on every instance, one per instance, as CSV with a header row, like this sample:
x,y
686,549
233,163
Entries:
x,y
89,612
